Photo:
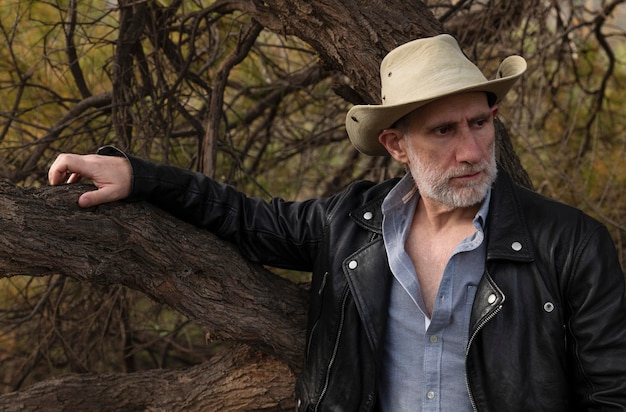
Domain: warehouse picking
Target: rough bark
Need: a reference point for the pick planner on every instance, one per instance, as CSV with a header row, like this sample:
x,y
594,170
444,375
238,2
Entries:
x,y
45,232
237,380
351,36
134,244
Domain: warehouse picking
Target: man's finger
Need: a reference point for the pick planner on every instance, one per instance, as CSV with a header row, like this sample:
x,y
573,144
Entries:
x,y
65,165
74,177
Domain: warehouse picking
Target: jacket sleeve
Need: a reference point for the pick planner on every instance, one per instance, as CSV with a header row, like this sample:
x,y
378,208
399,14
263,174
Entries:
x,y
597,323
276,232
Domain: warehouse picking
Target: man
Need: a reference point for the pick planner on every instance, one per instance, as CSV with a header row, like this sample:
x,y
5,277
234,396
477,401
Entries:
x,y
449,290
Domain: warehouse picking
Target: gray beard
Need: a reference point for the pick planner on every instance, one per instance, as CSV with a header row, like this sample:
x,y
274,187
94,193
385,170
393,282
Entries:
x,y
435,186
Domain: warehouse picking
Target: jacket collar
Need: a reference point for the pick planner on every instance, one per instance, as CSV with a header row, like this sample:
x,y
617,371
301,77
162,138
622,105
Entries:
x,y
370,215
507,233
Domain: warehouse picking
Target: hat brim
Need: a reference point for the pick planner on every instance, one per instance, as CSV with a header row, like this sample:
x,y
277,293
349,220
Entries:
x,y
364,123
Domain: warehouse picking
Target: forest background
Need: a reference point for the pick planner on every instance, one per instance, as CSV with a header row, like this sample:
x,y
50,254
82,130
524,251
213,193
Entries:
x,y
203,85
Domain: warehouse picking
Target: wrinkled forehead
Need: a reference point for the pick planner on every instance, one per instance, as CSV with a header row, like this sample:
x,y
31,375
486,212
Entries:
x,y
453,108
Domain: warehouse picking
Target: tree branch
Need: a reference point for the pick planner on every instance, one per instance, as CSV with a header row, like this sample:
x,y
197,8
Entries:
x,y
238,380
136,245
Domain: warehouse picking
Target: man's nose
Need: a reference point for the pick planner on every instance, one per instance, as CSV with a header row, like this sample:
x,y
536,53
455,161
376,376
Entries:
x,y
469,147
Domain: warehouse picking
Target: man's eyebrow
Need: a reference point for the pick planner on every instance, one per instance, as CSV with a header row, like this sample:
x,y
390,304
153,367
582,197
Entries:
x,y
481,116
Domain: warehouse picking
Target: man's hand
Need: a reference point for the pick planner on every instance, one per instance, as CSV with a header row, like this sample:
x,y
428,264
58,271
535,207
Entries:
x,y
112,176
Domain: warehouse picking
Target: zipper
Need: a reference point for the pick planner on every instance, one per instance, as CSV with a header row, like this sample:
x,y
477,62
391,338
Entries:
x,y
308,347
312,332
469,343
344,301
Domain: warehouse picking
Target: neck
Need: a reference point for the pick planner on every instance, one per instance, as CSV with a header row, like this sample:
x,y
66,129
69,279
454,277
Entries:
x,y
437,217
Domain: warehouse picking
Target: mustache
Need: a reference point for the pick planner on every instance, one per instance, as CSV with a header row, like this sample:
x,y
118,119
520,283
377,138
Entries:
x,y
468,169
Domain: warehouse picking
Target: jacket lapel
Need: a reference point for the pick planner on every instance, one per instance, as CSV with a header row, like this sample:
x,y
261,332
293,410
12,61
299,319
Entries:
x,y
368,274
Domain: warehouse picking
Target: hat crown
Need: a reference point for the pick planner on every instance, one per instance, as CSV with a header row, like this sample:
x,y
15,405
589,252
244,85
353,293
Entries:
x,y
426,68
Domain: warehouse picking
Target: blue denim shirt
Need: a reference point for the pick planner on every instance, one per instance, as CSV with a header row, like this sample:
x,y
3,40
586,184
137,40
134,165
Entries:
x,y
423,367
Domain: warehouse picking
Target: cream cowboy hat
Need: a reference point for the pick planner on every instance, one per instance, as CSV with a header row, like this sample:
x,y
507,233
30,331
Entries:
x,y
418,73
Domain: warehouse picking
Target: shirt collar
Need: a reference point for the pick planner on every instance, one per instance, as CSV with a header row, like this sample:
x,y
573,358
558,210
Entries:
x,y
406,193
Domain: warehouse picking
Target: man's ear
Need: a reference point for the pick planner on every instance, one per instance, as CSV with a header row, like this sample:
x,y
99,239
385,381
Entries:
x,y
494,110
393,140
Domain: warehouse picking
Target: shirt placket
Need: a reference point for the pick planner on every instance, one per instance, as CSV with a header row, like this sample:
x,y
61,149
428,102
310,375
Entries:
x,y
433,347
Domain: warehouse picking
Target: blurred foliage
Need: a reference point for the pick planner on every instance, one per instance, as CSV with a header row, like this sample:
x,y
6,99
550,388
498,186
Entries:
x,y
71,80
55,325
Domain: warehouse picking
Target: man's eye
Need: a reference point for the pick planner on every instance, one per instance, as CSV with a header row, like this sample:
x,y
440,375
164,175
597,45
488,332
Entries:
x,y
442,130
480,122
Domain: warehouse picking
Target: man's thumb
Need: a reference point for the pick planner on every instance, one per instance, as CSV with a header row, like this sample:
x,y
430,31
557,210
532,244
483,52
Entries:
x,y
88,199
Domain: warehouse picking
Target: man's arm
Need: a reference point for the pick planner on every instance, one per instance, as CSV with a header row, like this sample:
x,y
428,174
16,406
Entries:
x,y
597,324
275,232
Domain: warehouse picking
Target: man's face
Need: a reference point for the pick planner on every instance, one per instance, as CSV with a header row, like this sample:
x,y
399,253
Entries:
x,y
449,148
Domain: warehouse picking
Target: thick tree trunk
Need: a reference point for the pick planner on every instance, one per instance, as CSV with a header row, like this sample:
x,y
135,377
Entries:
x,y
351,36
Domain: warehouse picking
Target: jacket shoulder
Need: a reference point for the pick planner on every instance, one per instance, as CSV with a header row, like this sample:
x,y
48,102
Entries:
x,y
361,197
533,207
366,191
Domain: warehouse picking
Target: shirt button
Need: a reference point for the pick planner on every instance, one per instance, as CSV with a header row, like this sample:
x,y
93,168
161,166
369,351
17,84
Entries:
x,y
368,215
430,394
353,264
433,339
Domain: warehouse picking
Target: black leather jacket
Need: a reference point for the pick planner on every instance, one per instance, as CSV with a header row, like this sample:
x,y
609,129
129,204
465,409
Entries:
x,y
548,325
